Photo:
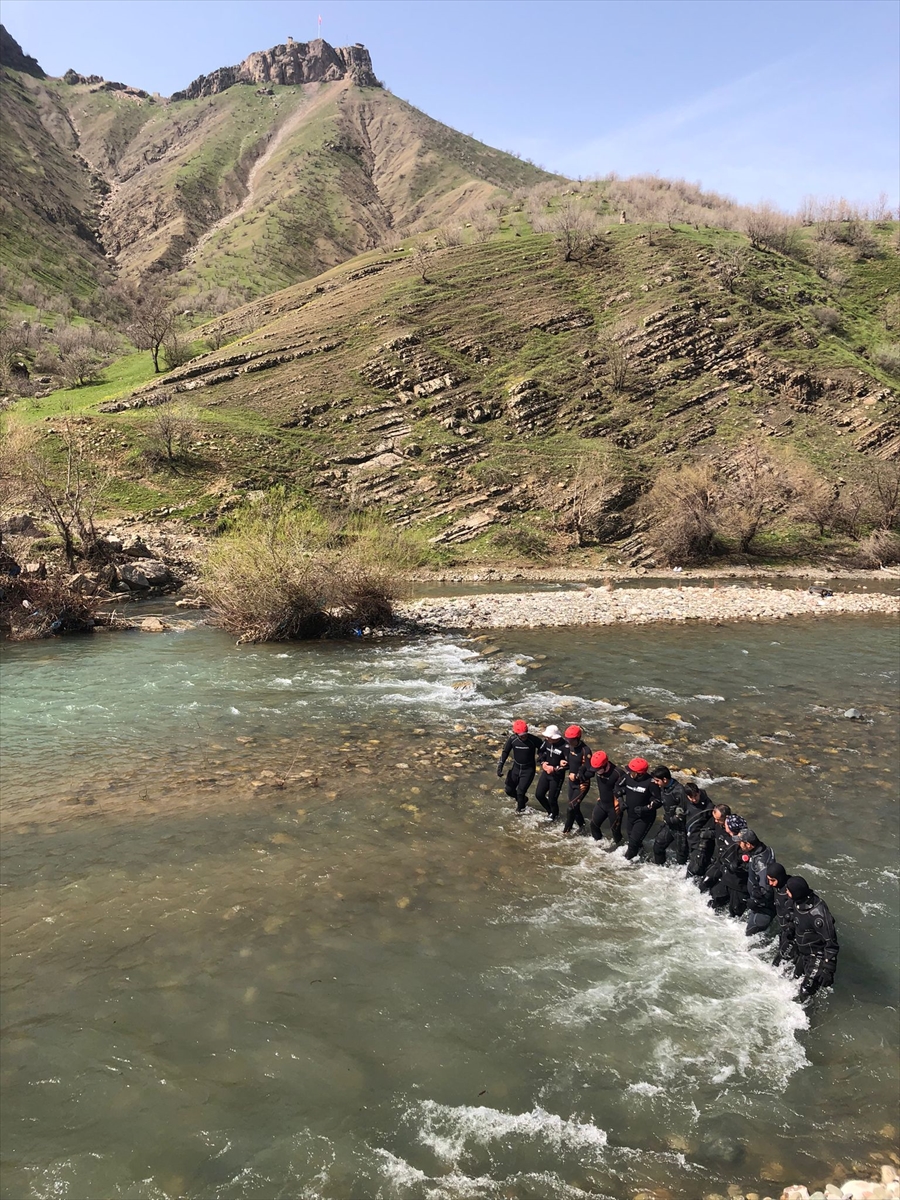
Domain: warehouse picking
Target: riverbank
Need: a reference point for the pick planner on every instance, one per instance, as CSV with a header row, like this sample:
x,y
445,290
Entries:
x,y
635,606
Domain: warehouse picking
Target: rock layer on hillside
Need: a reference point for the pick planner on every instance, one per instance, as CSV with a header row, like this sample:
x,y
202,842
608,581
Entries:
x,y
292,63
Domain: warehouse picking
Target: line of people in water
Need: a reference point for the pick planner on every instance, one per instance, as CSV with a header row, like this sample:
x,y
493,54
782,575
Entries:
x,y
722,855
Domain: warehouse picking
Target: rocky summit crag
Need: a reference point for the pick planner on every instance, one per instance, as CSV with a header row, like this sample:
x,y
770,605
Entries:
x,y
292,63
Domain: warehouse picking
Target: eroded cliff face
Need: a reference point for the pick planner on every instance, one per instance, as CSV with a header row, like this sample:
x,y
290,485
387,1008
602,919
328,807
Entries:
x,y
292,63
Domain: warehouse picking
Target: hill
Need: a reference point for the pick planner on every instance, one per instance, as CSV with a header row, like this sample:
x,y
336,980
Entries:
x,y
252,178
463,393
50,198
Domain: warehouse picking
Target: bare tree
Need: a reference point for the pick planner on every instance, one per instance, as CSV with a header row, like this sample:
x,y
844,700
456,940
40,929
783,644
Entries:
x,y
816,499
682,510
886,496
449,235
754,490
170,432
599,481
617,355
733,263
68,488
177,350
576,229
421,257
152,318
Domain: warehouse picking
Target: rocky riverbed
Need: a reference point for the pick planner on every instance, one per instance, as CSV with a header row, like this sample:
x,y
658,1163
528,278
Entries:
x,y
636,606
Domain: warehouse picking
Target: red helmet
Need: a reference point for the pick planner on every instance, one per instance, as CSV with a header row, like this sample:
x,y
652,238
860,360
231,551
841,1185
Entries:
x,y
520,726
599,758
638,765
573,732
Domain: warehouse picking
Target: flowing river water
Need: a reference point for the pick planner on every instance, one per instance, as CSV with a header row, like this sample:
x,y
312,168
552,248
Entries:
x,y
374,980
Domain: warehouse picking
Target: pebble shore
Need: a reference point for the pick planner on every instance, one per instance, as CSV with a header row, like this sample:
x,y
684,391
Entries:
x,y
852,1189
635,606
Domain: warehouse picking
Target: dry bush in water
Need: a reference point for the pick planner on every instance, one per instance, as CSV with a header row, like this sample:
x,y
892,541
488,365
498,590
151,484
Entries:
x,y
285,572
32,608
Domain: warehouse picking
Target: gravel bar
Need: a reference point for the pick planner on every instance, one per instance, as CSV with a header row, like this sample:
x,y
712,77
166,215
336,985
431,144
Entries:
x,y
635,606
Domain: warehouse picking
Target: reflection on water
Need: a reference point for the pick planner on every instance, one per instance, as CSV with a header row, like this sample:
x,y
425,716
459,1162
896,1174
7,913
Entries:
x,y
269,930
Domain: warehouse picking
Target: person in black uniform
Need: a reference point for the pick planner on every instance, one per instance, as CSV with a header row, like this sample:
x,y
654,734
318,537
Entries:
x,y
760,897
734,868
608,807
523,746
721,840
552,759
815,938
700,831
674,805
578,756
777,878
641,798
726,849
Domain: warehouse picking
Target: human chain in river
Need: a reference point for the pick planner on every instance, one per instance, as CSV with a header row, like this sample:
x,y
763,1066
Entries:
x,y
721,854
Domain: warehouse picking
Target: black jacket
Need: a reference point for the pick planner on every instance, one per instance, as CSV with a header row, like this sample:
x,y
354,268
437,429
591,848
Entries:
x,y
608,779
579,759
815,935
523,747
734,868
674,803
761,896
784,913
641,797
554,752
701,832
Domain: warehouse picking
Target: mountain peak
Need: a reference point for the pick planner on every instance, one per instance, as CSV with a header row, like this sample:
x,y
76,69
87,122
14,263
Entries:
x,y
13,56
291,63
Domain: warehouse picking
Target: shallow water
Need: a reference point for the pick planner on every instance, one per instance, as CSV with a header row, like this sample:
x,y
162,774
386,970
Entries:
x,y
374,980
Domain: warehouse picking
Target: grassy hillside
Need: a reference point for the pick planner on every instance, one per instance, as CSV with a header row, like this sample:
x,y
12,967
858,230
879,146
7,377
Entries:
x,y
246,190
464,401
49,208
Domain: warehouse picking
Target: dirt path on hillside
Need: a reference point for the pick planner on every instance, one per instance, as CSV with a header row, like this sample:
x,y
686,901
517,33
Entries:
x,y
290,126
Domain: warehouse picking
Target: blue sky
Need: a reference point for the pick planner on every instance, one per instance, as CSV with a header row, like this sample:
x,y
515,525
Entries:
x,y
759,99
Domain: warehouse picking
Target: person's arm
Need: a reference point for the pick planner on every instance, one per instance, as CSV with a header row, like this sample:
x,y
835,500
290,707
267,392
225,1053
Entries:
x,y
507,749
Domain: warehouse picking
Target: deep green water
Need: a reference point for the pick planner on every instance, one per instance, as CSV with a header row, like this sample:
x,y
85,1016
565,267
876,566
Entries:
x,y
375,981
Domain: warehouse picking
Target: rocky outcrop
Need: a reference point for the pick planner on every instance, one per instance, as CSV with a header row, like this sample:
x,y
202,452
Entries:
x,y
13,56
292,63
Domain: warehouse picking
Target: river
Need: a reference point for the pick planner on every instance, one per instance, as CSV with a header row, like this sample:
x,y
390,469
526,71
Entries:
x,y
376,981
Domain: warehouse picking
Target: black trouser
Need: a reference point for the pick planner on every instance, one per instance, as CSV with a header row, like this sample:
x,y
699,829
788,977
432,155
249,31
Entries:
x,y
603,812
698,860
737,902
664,839
547,791
574,815
637,831
518,781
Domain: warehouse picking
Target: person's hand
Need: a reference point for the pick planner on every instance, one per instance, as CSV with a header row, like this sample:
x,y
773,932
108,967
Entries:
x,y
572,776
499,772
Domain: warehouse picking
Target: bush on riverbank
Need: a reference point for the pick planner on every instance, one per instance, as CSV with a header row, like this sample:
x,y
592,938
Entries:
x,y
286,571
33,608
